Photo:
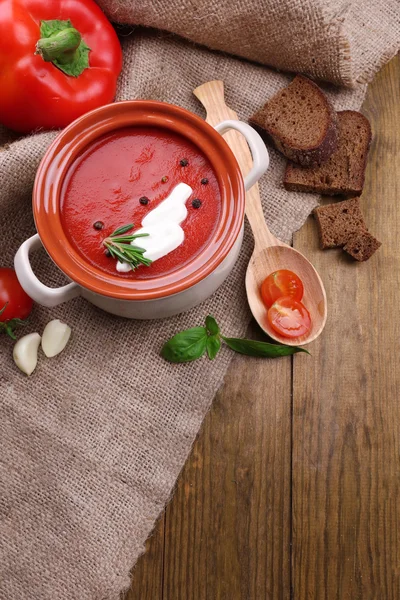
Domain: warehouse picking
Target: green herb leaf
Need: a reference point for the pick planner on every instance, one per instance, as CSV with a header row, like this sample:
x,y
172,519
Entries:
x,y
260,349
186,346
128,238
122,229
114,250
120,248
212,325
213,346
3,309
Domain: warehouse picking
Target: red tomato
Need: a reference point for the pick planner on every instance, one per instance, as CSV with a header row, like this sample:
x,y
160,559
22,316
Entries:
x,y
289,318
281,283
15,304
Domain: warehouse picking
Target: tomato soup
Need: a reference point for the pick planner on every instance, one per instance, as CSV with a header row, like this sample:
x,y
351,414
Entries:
x,y
125,175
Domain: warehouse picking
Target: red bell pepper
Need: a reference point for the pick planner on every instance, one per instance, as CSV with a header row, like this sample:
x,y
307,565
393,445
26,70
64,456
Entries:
x,y
58,60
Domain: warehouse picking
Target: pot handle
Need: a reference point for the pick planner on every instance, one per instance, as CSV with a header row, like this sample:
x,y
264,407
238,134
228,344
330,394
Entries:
x,y
39,292
257,147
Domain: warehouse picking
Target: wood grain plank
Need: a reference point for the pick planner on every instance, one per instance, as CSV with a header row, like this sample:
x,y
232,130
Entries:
x,y
228,525
147,574
346,402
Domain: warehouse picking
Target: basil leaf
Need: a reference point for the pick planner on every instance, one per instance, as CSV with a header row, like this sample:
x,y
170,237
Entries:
x,y
213,346
186,346
260,349
212,325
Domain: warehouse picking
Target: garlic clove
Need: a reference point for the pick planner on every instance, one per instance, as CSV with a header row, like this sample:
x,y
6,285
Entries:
x,y
25,352
55,337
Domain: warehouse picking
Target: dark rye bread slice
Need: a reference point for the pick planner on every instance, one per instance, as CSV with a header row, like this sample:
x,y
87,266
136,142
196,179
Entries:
x,y
338,223
300,121
344,172
362,245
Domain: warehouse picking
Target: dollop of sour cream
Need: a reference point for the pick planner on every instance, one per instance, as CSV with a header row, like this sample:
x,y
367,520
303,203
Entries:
x,y
163,226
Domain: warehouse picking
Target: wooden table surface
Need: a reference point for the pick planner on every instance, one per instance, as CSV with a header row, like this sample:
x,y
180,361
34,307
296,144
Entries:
x,y
292,490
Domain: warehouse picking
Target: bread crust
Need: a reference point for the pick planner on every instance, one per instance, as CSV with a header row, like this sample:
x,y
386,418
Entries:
x,y
322,179
306,156
362,246
338,222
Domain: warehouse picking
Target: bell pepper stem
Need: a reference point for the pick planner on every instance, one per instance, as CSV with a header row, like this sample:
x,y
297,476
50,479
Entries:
x,y
60,46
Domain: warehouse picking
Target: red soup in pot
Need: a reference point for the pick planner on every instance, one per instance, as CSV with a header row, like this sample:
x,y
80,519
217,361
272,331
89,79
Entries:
x,y
125,175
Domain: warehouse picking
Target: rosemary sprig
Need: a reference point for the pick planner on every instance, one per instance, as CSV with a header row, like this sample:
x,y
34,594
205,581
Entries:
x,y
119,246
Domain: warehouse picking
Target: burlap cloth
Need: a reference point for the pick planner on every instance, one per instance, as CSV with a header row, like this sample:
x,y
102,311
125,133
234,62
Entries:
x,y
92,443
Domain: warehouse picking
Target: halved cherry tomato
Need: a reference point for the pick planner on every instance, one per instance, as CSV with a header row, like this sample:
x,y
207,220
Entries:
x,y
281,283
289,318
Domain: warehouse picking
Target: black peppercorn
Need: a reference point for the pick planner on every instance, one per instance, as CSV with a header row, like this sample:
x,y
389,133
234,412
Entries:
x,y
144,200
107,252
196,203
184,162
204,181
98,225
164,179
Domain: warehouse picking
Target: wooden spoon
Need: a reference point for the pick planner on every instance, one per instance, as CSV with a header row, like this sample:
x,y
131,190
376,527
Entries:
x,y
269,253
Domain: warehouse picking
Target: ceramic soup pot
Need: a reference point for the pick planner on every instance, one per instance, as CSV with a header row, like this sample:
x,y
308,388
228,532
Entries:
x,y
165,294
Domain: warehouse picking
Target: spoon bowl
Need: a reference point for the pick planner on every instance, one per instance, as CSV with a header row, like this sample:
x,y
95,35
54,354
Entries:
x,y
269,254
270,259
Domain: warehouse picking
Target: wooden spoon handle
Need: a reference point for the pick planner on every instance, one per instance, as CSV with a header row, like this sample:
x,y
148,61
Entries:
x,y
211,95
